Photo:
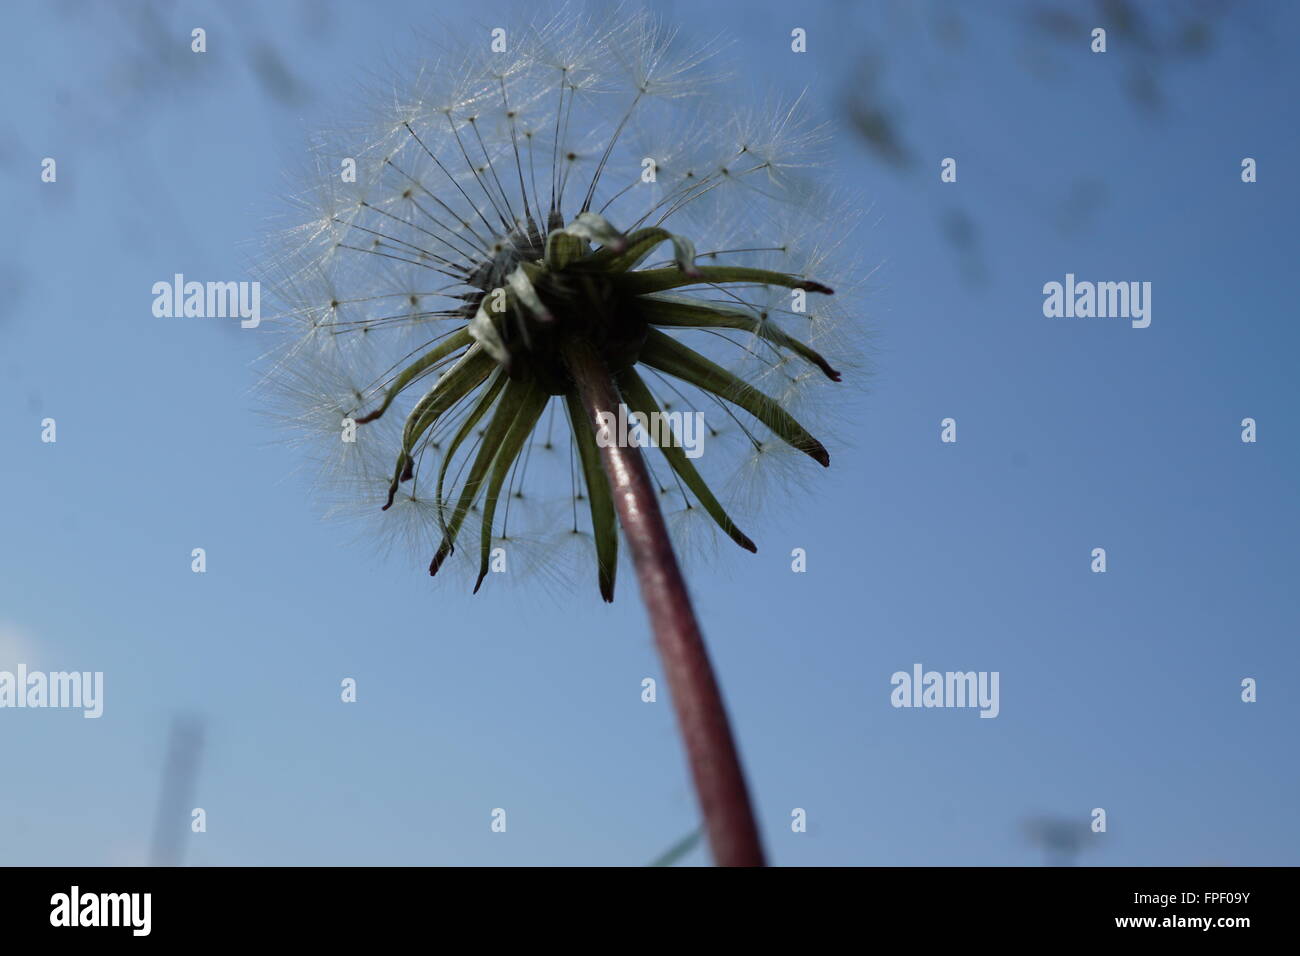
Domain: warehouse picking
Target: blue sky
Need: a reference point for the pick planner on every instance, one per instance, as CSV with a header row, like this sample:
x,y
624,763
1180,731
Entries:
x,y
1118,690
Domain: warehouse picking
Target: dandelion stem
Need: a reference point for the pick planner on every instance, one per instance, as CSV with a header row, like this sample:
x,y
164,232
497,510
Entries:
x,y
701,714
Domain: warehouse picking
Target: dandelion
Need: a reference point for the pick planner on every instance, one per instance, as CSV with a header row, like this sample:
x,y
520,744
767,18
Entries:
x,y
531,240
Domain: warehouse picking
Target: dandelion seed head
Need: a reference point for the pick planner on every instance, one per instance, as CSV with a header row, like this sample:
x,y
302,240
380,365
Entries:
x,y
499,208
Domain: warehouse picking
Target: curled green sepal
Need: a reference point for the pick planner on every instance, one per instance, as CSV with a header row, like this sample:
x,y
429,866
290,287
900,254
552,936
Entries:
x,y
457,382
523,289
639,399
532,404
643,242
563,248
603,524
688,313
591,227
665,353
485,332
661,280
452,343
503,417
482,403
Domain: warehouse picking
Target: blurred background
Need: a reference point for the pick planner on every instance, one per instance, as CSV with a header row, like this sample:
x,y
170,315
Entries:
x,y
1118,690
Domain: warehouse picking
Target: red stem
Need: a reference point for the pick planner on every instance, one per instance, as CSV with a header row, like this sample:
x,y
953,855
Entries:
x,y
701,714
